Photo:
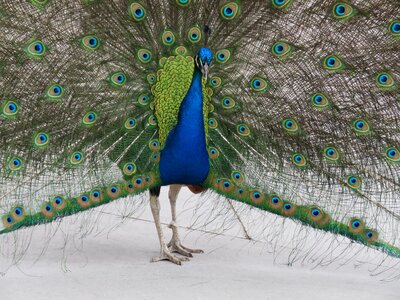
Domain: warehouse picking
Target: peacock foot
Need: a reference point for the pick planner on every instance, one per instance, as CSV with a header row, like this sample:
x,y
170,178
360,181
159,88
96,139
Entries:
x,y
175,244
166,254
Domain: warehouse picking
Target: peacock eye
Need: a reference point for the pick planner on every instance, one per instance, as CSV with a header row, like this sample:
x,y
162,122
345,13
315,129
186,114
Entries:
x,y
320,101
76,158
213,153
315,212
143,99
130,123
361,127
282,50
195,35
394,28
152,120
154,145
259,84
356,224
212,123
10,109
279,48
237,177
41,139
228,103
385,81
332,63
129,169
215,81
223,56
343,11
118,79
113,191
354,182
15,164
243,130
291,126
168,38
151,78
36,49
144,55
89,118
282,4
183,3
90,42
299,160
392,154
230,11
137,11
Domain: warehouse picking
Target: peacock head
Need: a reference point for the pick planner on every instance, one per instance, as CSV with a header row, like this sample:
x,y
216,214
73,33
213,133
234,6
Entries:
x,y
203,60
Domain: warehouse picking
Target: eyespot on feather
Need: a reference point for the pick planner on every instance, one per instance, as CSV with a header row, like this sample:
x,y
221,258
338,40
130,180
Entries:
x,y
275,202
90,42
356,225
144,56
281,4
41,139
392,154
333,63
113,191
320,101
47,210
96,196
83,201
291,126
58,202
225,185
230,11
118,79
256,197
354,181
195,35
223,56
15,164
184,3
10,109
36,49
18,213
129,169
213,153
76,158
331,154
137,11
288,208
282,50
343,11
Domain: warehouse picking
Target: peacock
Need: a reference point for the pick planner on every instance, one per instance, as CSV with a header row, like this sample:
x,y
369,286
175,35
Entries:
x,y
291,107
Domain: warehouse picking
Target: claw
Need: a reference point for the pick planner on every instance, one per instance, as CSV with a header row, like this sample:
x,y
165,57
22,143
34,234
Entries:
x,y
167,255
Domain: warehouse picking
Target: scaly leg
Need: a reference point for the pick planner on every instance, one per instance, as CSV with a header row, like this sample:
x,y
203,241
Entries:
x,y
175,244
166,254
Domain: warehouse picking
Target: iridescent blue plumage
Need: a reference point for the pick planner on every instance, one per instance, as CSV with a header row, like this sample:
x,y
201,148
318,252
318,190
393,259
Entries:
x,y
184,159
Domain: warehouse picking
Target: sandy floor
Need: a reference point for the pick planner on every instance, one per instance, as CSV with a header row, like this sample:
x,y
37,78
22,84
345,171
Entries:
x,y
116,266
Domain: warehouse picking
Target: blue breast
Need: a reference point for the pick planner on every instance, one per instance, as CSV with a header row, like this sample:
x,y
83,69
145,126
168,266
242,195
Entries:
x,y
184,159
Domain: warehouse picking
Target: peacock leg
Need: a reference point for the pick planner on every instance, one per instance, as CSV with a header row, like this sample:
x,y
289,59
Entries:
x,y
166,254
175,244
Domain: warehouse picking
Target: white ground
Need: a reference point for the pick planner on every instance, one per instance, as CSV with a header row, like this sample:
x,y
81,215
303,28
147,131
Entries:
x,y
116,266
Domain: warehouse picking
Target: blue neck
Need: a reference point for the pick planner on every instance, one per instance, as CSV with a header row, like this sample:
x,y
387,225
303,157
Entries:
x,y
184,159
